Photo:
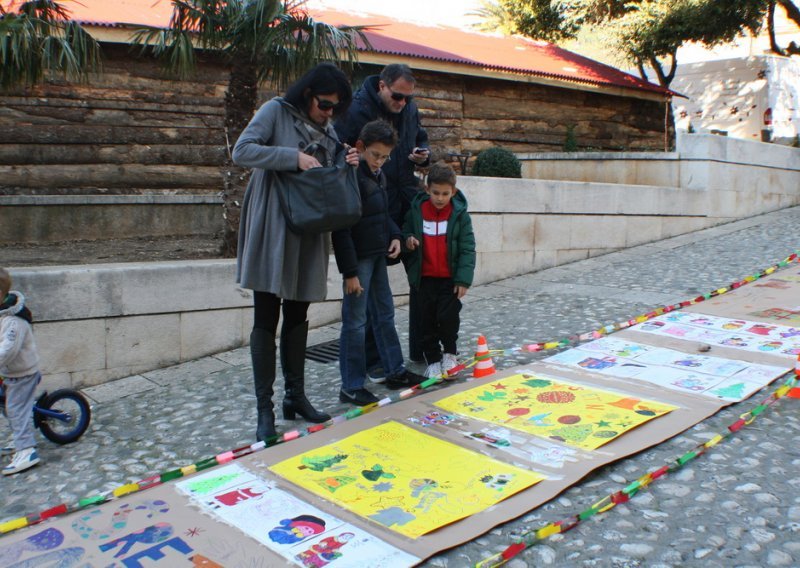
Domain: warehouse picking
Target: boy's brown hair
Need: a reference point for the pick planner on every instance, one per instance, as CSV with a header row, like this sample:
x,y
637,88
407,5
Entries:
x,y
442,172
5,283
378,131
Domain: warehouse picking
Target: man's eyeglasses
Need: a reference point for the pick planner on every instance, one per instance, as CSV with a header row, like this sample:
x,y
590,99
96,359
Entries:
x,y
326,105
400,96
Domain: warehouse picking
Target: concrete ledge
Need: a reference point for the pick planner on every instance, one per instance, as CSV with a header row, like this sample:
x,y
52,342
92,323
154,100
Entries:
x,y
703,162
101,322
541,196
143,199
126,319
613,156
737,151
52,218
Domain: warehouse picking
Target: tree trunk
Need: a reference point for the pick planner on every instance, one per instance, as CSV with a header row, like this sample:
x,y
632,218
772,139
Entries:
x,y
792,11
240,104
773,42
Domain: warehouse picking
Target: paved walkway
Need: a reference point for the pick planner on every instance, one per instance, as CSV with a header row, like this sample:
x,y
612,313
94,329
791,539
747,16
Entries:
x,y
735,506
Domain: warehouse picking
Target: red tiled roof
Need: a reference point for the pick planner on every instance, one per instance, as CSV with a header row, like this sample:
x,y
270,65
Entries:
x,y
393,37
510,54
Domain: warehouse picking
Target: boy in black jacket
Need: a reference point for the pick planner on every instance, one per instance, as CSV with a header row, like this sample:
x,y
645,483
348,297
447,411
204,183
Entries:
x,y
361,252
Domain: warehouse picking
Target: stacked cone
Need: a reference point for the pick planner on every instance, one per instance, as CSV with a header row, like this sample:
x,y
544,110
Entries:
x,y
484,366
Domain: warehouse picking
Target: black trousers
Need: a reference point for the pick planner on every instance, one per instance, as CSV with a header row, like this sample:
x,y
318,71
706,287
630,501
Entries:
x,y
267,310
440,317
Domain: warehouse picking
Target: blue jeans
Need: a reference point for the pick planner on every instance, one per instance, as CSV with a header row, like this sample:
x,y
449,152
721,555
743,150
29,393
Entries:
x,y
374,279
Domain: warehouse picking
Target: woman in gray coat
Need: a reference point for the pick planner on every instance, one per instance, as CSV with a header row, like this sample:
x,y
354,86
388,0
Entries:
x,y
283,268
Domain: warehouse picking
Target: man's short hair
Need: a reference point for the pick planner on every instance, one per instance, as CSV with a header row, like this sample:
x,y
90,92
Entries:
x,y
5,283
395,71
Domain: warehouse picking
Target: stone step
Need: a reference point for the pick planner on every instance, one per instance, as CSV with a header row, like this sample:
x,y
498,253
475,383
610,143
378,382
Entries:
x,y
55,218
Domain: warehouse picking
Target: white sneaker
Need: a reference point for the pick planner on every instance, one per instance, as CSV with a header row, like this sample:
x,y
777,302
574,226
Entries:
x,y
23,459
434,370
449,361
7,451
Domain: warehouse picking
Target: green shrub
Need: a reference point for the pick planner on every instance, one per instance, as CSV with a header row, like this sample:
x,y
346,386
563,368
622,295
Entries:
x,y
497,162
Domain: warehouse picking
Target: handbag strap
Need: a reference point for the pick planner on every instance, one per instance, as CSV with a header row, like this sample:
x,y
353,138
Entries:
x,y
300,116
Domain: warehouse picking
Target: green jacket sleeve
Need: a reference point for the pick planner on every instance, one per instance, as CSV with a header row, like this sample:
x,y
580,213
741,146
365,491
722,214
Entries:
x,y
464,269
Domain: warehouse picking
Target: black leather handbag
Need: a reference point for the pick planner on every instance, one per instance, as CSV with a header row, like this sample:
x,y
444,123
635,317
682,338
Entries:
x,y
321,199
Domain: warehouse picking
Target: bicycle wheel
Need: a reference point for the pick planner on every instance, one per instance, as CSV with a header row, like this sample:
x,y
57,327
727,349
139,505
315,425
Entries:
x,y
74,415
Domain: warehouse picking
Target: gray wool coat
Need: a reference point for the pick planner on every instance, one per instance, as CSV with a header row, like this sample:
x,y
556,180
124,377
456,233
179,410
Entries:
x,y
272,258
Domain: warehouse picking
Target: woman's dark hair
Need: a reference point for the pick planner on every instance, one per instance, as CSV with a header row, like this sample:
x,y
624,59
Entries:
x,y
324,79
378,131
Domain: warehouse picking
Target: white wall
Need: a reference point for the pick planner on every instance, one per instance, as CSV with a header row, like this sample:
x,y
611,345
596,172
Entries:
x,y
733,95
100,322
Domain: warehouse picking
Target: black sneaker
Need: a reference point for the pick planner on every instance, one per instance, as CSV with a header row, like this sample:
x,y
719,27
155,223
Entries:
x,y
360,397
404,380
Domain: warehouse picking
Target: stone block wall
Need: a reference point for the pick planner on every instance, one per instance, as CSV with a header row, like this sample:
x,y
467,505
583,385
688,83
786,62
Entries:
x,y
124,319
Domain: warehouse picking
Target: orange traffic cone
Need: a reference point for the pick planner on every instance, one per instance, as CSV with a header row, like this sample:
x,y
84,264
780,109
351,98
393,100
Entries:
x,y
485,366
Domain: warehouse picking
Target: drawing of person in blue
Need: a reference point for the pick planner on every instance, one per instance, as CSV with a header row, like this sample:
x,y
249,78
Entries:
x,y
294,530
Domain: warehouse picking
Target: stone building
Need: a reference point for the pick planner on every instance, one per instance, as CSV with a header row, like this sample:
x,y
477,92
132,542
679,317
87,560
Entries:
x,y
133,131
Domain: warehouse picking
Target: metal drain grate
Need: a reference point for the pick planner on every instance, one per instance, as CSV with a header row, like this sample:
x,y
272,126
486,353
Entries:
x,y
327,352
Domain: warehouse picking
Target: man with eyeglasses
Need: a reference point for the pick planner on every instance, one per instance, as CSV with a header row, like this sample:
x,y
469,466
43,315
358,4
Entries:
x,y
389,96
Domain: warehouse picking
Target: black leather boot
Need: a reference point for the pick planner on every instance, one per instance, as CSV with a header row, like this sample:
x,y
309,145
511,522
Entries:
x,y
262,352
293,362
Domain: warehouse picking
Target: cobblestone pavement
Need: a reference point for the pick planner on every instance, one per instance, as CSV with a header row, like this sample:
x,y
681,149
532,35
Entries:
x,y
735,506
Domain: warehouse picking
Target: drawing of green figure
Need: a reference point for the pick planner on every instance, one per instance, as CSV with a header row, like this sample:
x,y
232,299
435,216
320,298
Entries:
x,y
489,396
537,383
208,485
376,473
574,434
735,391
321,463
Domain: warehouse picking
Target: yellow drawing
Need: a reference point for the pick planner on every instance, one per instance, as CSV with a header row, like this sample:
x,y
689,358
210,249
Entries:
x,y
578,416
408,481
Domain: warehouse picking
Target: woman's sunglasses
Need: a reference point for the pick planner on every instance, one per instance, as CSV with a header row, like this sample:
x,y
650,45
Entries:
x,y
325,105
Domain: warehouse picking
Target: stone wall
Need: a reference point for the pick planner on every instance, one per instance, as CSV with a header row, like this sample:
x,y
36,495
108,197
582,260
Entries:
x,y
128,131
129,318
57,218
738,177
131,132
468,114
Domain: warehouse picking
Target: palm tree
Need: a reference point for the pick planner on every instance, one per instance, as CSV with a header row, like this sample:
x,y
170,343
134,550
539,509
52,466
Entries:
x,y
37,39
259,41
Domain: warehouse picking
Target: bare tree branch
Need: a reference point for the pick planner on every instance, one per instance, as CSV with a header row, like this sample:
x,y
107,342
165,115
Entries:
x,y
792,11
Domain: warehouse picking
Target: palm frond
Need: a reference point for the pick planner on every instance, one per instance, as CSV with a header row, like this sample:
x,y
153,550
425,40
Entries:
x,y
295,42
174,47
277,38
39,39
44,10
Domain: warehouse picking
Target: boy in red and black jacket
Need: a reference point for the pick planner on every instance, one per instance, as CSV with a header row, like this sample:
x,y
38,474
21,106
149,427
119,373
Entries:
x,y
441,265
